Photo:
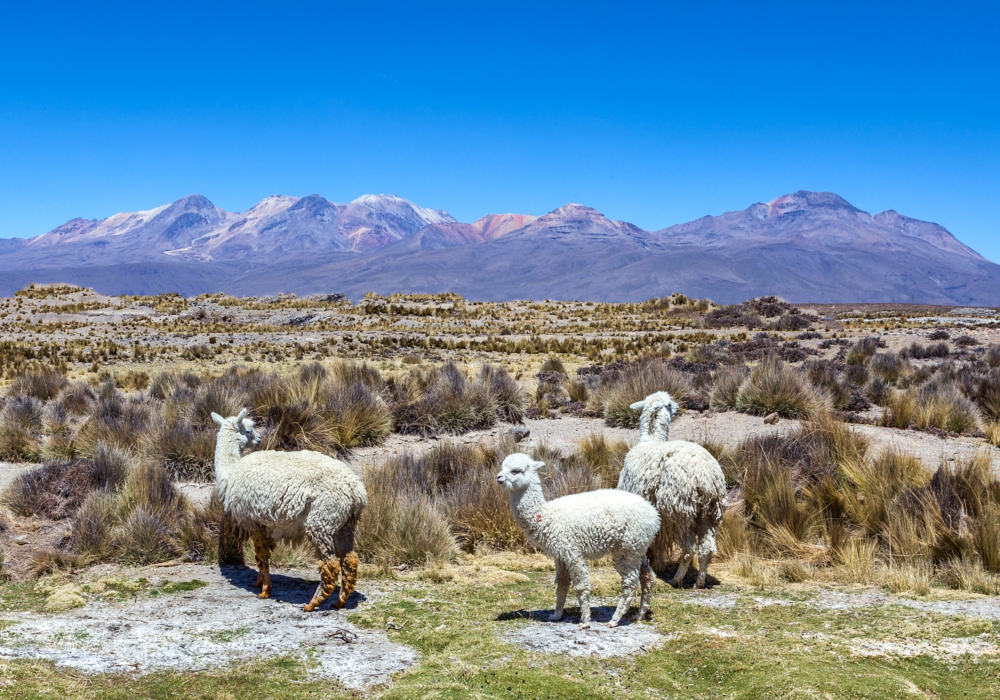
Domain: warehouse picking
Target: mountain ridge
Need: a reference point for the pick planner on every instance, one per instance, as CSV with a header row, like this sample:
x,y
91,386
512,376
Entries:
x,y
806,246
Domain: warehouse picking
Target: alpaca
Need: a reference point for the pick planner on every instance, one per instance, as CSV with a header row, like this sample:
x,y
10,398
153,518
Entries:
x,y
583,526
685,483
290,496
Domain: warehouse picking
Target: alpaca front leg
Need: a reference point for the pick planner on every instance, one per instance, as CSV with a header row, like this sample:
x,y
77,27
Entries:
x,y
687,553
646,580
580,575
706,550
263,546
562,588
630,582
329,572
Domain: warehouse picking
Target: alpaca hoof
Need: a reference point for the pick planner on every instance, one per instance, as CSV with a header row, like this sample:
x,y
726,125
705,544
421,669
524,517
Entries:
x,y
309,607
585,625
264,594
554,617
611,624
339,604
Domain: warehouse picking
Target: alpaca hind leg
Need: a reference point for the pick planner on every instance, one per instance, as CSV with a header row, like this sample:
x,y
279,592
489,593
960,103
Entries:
x,y
687,553
263,546
646,580
562,588
629,571
344,547
660,549
706,550
580,575
329,571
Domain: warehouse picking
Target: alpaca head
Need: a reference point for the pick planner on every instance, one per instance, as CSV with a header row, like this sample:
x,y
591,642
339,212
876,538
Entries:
x,y
240,426
518,471
658,410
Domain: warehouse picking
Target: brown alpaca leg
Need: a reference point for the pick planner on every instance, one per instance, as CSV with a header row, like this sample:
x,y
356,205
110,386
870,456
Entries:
x,y
349,578
263,545
329,572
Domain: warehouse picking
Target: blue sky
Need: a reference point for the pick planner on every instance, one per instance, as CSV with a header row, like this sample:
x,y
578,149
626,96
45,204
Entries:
x,y
653,113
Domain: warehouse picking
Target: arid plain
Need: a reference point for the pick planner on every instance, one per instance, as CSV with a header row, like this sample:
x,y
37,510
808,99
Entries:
x,y
858,556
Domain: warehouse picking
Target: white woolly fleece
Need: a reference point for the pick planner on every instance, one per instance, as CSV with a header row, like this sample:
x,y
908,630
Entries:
x,y
294,494
583,526
685,483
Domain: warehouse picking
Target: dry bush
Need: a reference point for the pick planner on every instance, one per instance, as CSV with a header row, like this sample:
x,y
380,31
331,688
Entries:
x,y
60,433
904,577
985,391
133,380
750,567
116,420
507,395
617,390
992,431
922,352
76,399
878,391
553,364
774,387
52,561
992,356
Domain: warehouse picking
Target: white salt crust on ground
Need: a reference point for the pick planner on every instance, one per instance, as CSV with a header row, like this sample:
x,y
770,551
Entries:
x,y
566,637
214,626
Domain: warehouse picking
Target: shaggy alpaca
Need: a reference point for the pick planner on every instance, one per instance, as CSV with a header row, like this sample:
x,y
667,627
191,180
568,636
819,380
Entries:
x,y
583,526
685,483
290,496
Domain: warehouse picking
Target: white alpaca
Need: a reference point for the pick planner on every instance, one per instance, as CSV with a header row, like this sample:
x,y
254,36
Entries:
x,y
583,526
290,496
685,483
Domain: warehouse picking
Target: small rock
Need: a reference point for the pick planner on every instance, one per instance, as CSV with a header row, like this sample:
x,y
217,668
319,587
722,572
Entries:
x,y
771,419
519,432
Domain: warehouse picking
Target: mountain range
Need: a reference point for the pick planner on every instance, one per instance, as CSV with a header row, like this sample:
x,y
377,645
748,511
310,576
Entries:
x,y
805,247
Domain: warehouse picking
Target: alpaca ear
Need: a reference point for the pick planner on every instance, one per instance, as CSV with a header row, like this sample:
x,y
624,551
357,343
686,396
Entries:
x,y
241,416
638,405
219,420
537,465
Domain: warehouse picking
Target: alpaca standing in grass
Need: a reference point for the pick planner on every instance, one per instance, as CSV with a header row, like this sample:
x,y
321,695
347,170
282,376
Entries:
x,y
685,483
583,526
290,496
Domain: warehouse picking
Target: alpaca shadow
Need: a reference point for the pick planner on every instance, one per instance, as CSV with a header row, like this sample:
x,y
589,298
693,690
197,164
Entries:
x,y
599,614
285,589
690,578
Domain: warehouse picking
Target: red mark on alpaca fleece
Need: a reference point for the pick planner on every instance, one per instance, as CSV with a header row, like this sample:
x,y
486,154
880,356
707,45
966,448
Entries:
x,y
538,518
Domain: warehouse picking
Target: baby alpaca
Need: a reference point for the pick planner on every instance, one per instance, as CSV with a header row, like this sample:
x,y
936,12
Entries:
x,y
291,496
583,526
685,483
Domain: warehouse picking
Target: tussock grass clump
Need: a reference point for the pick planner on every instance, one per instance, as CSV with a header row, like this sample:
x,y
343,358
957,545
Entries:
x,y
21,430
992,356
821,496
433,400
617,390
774,387
146,520
54,490
886,366
992,431
900,410
726,387
603,457
42,384
919,351
863,349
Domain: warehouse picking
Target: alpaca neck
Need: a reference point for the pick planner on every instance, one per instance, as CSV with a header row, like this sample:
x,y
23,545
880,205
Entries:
x,y
227,454
527,507
656,427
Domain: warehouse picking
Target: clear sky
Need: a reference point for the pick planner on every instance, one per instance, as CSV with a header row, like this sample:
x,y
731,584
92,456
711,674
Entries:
x,y
654,113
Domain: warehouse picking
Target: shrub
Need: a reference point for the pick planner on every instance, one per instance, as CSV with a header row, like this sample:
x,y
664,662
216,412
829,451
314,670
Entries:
x,y
618,390
878,391
992,356
923,352
966,341
986,393
900,409
60,436
773,387
938,334
76,399
115,420
506,393
992,430
604,458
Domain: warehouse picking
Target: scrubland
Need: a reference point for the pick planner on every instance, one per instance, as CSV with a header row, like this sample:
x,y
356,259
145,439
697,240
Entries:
x,y
859,556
